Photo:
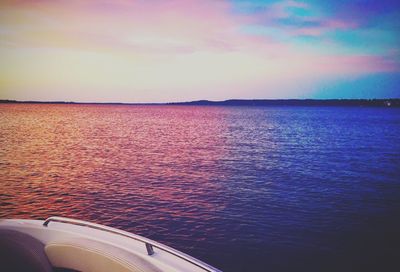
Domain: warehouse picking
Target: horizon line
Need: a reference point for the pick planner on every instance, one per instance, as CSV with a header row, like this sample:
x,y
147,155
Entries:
x,y
395,102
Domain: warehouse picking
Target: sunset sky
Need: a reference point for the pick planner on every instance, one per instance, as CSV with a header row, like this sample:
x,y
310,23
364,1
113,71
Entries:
x,y
161,51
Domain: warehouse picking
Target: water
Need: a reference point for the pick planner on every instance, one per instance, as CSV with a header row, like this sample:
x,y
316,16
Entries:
x,y
244,189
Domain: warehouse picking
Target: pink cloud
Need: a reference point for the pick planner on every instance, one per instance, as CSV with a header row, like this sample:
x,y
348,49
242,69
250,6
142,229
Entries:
x,y
319,30
308,31
339,24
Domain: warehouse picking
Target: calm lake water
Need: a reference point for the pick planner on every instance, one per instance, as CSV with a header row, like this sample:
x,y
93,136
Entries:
x,y
242,188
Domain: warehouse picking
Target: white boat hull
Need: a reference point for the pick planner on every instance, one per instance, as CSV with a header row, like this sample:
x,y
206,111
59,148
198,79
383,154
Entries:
x,y
85,246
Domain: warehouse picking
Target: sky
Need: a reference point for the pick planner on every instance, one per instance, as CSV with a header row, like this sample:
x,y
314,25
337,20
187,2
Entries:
x,y
183,50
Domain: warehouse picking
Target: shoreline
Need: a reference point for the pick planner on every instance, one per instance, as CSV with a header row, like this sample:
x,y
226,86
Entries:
x,y
391,102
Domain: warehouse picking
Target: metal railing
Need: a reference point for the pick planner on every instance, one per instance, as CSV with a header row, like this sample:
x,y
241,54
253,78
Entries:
x,y
150,244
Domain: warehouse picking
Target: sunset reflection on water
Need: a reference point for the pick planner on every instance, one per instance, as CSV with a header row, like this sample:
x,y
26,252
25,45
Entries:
x,y
96,162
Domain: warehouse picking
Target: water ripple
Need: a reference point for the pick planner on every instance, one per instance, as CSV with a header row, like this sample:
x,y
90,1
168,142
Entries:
x,y
242,188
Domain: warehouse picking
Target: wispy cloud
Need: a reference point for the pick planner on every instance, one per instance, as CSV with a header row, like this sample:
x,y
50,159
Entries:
x,y
182,49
